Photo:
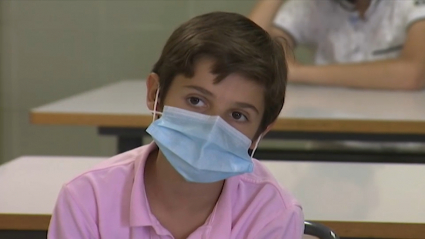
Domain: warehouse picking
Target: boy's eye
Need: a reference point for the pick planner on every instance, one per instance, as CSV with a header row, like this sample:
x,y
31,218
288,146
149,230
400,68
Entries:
x,y
195,101
239,116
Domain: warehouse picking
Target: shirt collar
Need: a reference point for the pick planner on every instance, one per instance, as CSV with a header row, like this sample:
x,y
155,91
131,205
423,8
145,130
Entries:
x,y
372,8
374,4
140,212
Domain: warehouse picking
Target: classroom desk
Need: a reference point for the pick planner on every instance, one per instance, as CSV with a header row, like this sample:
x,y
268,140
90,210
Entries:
x,y
309,113
355,199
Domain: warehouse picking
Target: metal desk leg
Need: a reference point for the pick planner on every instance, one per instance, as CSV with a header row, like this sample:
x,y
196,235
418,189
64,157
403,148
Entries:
x,y
127,138
16,234
126,143
130,138
343,154
340,156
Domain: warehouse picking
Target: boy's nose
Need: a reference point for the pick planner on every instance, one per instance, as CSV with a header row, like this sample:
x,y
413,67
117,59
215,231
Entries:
x,y
216,111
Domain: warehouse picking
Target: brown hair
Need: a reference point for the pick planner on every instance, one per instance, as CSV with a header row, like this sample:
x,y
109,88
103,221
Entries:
x,y
237,45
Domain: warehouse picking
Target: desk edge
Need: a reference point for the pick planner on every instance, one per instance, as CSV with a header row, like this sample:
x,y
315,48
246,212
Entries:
x,y
283,124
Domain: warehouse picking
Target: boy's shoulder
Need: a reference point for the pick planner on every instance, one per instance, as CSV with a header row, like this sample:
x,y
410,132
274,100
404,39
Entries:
x,y
263,184
116,170
256,199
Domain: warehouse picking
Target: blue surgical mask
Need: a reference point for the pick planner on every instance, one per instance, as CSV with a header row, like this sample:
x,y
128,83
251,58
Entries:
x,y
202,148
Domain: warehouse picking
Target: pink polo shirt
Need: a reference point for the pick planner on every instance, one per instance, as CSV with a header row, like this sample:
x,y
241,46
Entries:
x,y
109,202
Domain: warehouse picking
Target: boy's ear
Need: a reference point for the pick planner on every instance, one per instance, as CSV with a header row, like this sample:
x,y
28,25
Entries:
x,y
269,128
152,86
262,134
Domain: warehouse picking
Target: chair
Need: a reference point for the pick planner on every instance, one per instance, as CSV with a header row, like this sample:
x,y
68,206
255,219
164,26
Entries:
x,y
318,230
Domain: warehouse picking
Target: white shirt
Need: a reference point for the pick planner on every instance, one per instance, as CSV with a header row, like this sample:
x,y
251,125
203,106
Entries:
x,y
341,36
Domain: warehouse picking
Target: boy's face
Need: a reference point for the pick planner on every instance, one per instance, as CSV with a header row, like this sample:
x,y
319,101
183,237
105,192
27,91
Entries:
x,y
237,100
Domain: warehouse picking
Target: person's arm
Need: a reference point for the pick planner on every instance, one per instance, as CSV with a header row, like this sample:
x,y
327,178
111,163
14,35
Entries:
x,y
70,220
404,73
264,13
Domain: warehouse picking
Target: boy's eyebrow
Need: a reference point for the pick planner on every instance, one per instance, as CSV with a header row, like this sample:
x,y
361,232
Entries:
x,y
200,89
247,105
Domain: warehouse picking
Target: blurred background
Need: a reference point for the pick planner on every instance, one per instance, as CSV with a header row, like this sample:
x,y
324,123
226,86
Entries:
x,y
58,48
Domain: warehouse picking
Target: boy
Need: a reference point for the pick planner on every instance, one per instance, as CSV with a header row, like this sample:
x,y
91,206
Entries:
x,y
215,91
376,44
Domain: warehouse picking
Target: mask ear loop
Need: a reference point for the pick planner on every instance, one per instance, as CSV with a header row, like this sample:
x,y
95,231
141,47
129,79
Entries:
x,y
256,145
155,105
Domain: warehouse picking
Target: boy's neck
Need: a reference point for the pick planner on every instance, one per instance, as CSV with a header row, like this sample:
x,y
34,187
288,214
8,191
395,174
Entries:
x,y
166,187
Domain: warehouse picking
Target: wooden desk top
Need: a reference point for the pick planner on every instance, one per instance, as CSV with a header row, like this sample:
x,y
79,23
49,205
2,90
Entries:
x,y
29,187
355,199
307,108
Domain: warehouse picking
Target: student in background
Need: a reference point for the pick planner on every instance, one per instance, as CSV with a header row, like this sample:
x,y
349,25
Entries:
x,y
215,91
377,44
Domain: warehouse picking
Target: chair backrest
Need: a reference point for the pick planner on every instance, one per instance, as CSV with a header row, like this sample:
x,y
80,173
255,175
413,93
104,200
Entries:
x,y
318,230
